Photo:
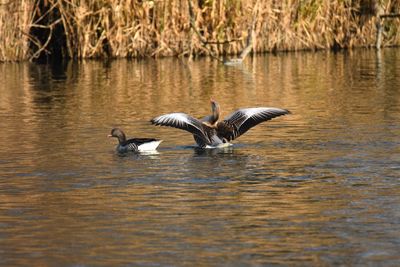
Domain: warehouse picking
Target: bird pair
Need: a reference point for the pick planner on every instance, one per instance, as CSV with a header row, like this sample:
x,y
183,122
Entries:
x,y
208,132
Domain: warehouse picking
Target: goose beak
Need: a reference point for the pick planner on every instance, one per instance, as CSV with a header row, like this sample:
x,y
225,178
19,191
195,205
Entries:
x,y
109,135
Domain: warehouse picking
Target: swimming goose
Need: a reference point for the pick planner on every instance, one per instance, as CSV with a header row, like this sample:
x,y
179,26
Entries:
x,y
134,144
209,132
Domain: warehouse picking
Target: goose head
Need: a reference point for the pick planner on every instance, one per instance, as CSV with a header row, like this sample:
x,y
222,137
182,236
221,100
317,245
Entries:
x,y
215,111
118,133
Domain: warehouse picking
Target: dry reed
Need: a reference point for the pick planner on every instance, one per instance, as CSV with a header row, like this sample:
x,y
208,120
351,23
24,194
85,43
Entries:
x,y
134,28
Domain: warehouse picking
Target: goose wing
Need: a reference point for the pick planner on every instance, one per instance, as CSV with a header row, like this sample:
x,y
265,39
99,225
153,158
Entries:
x,y
139,141
240,121
184,122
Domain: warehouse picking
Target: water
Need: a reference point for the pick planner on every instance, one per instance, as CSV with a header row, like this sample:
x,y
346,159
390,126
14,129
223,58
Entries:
x,y
319,187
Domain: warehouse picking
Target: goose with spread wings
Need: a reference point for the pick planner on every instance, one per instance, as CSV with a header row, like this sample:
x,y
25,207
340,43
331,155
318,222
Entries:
x,y
209,132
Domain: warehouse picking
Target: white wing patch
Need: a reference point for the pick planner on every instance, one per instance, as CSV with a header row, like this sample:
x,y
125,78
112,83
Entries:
x,y
250,112
256,112
178,120
149,146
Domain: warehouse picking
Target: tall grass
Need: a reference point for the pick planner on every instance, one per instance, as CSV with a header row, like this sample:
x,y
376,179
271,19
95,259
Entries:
x,y
140,28
15,21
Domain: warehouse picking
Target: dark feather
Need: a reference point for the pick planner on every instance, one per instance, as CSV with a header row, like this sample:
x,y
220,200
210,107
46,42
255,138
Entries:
x,y
242,120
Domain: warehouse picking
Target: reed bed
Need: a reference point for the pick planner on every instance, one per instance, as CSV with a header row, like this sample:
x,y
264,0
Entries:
x,y
133,28
15,21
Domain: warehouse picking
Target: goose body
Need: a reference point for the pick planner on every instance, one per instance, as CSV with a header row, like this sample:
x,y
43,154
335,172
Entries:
x,y
135,144
209,132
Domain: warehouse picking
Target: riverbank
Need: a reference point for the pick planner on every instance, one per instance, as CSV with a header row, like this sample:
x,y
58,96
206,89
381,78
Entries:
x,y
44,29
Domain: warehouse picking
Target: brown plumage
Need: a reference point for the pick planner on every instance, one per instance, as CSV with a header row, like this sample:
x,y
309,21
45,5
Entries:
x,y
211,132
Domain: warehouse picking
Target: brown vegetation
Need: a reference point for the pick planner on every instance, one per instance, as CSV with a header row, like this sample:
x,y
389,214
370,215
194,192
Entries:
x,y
137,28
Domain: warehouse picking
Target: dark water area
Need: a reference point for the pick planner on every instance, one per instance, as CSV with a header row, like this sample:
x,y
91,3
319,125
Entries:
x,y
320,187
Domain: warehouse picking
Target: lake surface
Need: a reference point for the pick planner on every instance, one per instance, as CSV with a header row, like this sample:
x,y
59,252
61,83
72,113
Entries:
x,y
320,187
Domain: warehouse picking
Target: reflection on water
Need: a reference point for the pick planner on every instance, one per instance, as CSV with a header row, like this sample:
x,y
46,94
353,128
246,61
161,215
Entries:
x,y
318,187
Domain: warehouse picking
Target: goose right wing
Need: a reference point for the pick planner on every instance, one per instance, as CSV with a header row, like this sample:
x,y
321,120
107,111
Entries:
x,y
184,122
240,121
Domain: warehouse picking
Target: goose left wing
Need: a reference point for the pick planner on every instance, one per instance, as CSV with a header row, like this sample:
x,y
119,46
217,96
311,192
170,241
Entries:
x,y
183,121
240,121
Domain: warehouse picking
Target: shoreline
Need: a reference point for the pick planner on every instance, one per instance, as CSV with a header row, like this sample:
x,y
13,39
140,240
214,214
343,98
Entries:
x,y
47,30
